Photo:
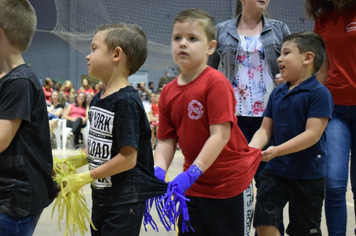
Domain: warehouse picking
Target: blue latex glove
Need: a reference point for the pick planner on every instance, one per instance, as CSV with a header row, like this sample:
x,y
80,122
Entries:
x,y
186,179
160,173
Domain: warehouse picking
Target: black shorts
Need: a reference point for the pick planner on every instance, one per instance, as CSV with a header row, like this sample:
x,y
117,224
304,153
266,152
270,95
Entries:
x,y
119,220
227,217
305,199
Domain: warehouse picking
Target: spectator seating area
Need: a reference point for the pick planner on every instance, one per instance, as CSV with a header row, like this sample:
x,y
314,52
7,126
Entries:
x,y
61,134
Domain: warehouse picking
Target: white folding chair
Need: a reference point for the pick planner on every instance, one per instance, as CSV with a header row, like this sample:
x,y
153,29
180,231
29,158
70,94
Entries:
x,y
66,130
58,133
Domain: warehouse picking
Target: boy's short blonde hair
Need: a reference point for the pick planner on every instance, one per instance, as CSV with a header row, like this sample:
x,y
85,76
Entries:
x,y
131,39
200,16
18,20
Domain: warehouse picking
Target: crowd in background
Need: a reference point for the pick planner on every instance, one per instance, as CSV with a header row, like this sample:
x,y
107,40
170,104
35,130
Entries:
x,y
64,102
150,99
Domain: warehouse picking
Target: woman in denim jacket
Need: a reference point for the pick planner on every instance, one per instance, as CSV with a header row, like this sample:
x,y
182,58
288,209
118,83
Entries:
x,y
248,48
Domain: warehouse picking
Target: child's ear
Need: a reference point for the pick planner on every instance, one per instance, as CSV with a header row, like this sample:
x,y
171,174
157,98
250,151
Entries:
x,y
117,54
212,47
308,58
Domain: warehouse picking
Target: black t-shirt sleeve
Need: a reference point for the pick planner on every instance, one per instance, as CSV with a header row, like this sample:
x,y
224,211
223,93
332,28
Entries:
x,y
16,100
127,125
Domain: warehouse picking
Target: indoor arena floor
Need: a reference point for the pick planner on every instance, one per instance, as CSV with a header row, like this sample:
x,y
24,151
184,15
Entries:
x,y
48,226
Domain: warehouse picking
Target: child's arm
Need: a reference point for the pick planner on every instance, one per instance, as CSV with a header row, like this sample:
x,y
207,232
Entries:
x,y
314,129
219,136
263,135
163,156
8,131
164,152
125,160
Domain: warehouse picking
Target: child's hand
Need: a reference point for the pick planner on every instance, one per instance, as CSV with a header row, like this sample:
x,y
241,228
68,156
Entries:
x,y
186,179
79,159
160,173
269,153
278,79
72,183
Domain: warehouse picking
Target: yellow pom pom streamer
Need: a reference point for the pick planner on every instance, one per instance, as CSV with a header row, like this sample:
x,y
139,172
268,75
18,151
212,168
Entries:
x,y
69,203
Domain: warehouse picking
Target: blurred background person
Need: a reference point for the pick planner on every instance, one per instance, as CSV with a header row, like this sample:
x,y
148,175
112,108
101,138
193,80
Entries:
x,y
86,88
58,86
47,89
55,110
67,88
76,115
154,118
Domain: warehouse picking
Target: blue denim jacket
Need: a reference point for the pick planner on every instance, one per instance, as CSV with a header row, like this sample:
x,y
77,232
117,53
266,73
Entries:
x,y
228,41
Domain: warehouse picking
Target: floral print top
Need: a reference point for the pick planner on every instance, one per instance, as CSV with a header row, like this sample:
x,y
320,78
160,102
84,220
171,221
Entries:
x,y
252,84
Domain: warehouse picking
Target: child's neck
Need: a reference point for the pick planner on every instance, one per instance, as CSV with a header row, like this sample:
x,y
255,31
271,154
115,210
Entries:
x,y
113,85
188,76
297,82
9,62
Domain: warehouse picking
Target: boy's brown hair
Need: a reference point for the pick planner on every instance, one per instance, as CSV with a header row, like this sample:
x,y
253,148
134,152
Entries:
x,y
131,39
18,20
206,20
309,42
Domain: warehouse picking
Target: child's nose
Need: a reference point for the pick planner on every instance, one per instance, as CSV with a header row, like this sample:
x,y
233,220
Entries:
x,y
279,59
183,43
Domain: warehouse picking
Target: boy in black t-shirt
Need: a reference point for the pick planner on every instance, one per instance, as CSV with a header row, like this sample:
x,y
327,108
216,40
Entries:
x,y
119,148
26,185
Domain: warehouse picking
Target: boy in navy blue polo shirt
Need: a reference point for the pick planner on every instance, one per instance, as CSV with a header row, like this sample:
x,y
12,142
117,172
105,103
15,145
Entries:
x,y
294,121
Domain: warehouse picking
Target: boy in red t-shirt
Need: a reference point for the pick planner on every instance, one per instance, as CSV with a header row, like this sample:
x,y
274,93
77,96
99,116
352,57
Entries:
x,y
197,110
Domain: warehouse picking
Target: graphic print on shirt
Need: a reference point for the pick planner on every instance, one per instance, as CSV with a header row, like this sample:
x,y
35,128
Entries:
x,y
195,110
350,27
100,142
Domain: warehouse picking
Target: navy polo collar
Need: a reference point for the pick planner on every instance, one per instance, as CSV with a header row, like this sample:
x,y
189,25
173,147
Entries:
x,y
307,84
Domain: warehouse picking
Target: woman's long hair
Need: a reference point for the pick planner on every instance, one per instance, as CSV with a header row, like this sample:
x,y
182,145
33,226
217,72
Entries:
x,y
318,8
84,102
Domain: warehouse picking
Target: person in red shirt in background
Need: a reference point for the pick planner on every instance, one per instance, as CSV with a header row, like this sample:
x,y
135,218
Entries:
x,y
47,89
86,88
76,115
335,22
96,88
67,89
155,117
